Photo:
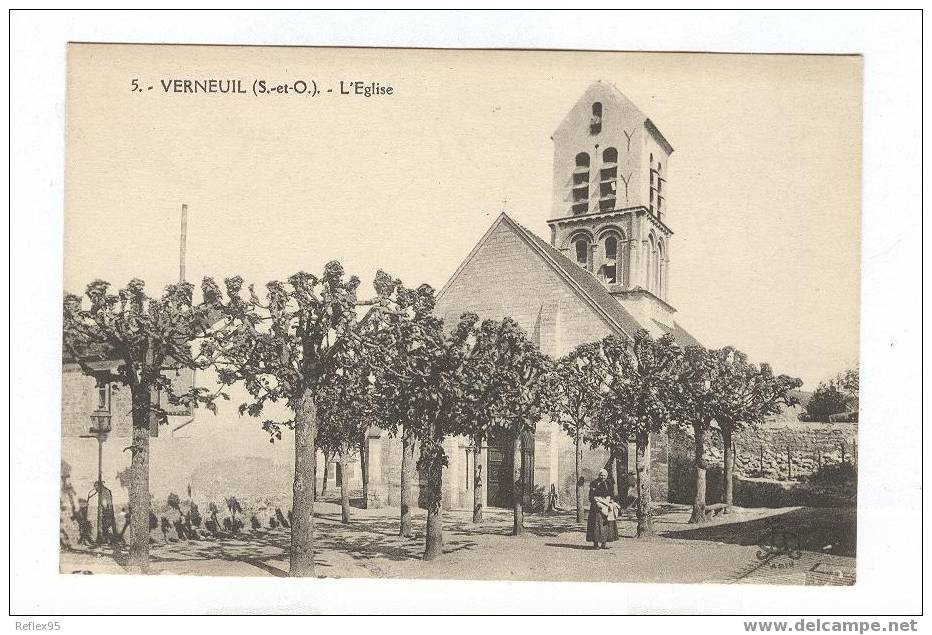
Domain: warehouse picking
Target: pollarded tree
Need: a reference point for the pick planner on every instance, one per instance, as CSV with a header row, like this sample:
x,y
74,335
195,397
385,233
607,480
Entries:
x,y
637,403
344,407
695,403
517,393
746,394
577,383
393,341
281,349
148,339
421,383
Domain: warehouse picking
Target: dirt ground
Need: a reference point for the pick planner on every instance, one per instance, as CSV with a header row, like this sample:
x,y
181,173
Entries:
x,y
759,546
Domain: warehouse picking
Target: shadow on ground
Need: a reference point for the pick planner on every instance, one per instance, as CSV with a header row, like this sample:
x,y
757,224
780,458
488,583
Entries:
x,y
553,546
816,529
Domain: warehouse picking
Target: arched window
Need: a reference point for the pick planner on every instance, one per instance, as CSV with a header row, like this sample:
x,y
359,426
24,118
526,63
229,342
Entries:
x,y
581,184
611,266
651,268
581,246
595,123
660,268
608,180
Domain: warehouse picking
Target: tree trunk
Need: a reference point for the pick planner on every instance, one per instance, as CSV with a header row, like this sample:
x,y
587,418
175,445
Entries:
x,y
323,487
612,469
518,492
580,493
477,481
407,470
434,535
139,502
344,491
302,504
364,468
621,476
728,487
642,463
698,515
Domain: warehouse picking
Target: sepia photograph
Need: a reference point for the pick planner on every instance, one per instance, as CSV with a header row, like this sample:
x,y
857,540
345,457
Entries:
x,y
466,312
484,315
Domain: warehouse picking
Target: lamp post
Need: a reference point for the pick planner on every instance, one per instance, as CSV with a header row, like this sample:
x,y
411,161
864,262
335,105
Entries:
x,y
100,428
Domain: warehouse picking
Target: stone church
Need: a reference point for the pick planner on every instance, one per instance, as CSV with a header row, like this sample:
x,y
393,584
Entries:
x,y
605,270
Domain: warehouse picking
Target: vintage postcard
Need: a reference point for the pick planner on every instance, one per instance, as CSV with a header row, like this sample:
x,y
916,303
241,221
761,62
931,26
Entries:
x,y
462,314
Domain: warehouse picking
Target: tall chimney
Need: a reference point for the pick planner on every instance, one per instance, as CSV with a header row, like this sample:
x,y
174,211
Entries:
x,y
184,239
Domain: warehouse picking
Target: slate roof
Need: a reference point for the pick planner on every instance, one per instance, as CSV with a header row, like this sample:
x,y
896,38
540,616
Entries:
x,y
588,286
681,335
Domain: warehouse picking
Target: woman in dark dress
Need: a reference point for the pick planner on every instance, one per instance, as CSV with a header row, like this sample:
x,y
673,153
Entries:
x,y
603,525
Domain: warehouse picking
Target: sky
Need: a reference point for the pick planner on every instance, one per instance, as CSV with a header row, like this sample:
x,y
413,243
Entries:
x,y
764,182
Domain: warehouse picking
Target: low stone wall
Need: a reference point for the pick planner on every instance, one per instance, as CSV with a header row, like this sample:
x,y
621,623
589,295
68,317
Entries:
x,y
793,449
782,453
759,492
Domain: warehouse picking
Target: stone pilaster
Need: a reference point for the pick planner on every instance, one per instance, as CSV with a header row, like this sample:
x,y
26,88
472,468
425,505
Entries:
x,y
377,491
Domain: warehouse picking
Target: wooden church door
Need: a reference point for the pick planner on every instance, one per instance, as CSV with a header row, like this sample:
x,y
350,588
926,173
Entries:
x,y
500,470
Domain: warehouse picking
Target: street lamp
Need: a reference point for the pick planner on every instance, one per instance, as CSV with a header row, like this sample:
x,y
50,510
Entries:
x,y
100,428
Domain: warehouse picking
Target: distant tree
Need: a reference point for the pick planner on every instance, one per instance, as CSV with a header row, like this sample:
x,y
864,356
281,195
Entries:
x,y
746,395
517,394
849,382
638,402
826,400
577,384
344,406
281,349
149,340
836,396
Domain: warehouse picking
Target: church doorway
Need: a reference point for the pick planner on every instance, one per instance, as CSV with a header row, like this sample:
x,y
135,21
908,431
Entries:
x,y
500,469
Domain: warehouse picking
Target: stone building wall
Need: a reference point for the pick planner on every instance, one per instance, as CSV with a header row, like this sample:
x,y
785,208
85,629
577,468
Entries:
x,y
507,278
79,400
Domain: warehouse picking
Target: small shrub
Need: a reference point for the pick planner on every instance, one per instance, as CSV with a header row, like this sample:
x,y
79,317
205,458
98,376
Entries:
x,y
836,474
538,500
233,505
174,502
195,515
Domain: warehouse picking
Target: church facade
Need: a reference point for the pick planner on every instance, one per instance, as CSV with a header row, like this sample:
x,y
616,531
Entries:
x,y
605,270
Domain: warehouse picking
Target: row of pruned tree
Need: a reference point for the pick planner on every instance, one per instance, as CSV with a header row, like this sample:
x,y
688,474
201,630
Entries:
x,y
618,390
338,363
341,364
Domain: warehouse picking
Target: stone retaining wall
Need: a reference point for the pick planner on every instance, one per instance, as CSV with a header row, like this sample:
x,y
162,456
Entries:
x,y
779,452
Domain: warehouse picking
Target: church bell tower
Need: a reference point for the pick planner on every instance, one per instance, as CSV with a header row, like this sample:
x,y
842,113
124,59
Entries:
x,y
610,215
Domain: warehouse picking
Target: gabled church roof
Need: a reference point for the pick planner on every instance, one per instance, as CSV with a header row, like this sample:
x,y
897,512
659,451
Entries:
x,y
583,283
